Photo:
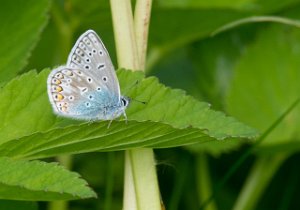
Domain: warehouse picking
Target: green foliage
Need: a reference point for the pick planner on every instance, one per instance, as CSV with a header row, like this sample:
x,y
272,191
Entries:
x,y
249,71
21,27
28,105
170,118
25,205
35,180
269,85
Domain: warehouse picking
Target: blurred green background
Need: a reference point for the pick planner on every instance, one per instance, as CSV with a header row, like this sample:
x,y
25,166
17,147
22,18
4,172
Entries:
x,y
250,71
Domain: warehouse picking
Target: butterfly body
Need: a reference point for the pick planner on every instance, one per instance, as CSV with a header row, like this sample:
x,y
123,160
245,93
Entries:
x,y
87,88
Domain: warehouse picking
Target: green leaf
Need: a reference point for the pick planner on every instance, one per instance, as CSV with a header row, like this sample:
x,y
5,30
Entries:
x,y
262,90
195,24
24,100
178,23
257,19
252,5
69,19
97,137
36,180
170,118
21,25
233,4
174,107
24,205
174,28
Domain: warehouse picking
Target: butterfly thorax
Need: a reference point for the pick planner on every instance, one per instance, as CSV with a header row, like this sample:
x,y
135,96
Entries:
x,y
100,106
111,112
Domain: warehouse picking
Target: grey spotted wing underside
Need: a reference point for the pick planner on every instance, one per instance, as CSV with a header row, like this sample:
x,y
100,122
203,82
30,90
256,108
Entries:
x,y
87,87
90,55
75,93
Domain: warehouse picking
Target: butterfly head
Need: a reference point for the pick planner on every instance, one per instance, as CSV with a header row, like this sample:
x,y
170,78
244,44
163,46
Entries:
x,y
125,101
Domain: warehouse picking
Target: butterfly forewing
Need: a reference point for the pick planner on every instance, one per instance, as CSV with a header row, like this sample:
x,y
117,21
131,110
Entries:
x,y
90,55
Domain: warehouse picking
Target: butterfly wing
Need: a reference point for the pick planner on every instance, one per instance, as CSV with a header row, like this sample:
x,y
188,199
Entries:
x,y
90,55
77,94
87,87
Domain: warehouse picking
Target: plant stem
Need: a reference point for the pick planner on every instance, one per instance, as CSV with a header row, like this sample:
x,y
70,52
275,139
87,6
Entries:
x,y
142,15
145,179
261,173
66,161
204,181
127,53
129,197
141,190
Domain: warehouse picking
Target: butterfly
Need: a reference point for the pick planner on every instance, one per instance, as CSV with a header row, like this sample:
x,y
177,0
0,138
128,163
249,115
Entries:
x,y
87,87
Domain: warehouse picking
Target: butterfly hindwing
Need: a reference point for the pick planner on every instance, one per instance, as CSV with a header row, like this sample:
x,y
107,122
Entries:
x,y
74,93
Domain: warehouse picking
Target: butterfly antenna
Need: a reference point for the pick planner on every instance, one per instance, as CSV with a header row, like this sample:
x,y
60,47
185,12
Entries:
x,y
133,99
142,102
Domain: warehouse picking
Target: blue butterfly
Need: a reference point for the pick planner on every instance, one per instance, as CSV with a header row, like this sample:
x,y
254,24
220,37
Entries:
x,y
87,88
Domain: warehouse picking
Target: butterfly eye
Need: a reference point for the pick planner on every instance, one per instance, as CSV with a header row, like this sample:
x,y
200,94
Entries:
x,y
124,102
87,104
100,52
88,60
91,97
87,67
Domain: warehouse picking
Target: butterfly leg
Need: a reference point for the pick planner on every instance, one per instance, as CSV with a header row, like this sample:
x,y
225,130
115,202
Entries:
x,y
109,124
125,116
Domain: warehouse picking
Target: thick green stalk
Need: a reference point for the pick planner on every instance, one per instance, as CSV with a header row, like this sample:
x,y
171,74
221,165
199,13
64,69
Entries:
x,y
142,15
129,197
141,190
127,53
260,176
203,181
145,179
